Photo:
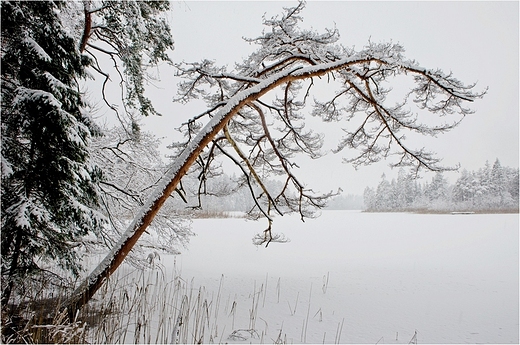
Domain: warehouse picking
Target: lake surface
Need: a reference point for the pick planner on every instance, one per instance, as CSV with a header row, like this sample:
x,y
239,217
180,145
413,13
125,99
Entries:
x,y
354,277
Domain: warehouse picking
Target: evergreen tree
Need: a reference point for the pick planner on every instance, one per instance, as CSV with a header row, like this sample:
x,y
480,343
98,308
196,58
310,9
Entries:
x,y
513,185
383,195
437,190
49,193
488,189
463,192
405,189
498,186
369,198
245,114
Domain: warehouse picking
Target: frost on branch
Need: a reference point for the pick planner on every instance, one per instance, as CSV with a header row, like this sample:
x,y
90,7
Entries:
x,y
256,117
269,133
134,37
132,167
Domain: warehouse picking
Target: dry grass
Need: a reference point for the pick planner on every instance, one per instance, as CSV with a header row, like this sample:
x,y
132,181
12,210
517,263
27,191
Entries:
x,y
143,306
212,214
154,306
217,214
138,306
41,320
448,211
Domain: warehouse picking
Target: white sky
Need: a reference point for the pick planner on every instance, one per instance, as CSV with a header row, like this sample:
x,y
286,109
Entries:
x,y
477,41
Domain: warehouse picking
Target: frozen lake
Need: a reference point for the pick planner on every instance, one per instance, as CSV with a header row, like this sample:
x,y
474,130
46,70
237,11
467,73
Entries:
x,y
353,277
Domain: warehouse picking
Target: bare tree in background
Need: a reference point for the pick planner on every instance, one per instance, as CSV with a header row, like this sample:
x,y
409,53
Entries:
x,y
131,167
257,111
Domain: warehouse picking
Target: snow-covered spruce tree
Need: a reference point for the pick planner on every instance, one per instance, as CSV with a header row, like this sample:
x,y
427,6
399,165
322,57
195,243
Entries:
x,y
262,133
49,192
498,185
491,188
437,192
134,37
403,193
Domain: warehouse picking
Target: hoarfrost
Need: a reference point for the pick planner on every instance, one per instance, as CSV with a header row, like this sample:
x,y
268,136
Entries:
x,y
293,54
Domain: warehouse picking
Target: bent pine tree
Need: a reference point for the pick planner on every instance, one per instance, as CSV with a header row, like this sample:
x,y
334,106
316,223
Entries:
x,y
289,60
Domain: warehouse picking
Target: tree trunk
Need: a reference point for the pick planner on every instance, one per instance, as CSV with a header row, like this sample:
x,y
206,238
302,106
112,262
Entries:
x,y
87,27
178,169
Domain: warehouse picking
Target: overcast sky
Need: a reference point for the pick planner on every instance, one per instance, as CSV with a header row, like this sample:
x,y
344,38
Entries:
x,y
477,41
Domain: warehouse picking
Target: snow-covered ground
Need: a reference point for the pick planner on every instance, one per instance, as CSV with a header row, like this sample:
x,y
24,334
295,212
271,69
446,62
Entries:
x,y
351,277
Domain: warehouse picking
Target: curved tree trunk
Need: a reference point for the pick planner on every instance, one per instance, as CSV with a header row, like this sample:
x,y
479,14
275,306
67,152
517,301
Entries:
x,y
170,181
87,27
257,88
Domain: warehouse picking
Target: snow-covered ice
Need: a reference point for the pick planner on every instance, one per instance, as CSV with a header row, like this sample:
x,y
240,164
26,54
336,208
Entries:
x,y
345,277
370,277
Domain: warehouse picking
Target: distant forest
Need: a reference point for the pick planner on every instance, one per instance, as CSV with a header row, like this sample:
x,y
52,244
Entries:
x,y
492,188
489,189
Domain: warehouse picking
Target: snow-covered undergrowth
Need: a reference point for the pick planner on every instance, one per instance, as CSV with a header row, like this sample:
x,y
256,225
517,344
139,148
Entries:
x,y
346,277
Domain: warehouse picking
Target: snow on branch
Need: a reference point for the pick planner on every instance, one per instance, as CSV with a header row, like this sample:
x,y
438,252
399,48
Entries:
x,y
286,57
263,105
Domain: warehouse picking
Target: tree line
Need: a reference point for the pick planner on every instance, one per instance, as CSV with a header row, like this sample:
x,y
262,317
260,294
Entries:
x,y
490,188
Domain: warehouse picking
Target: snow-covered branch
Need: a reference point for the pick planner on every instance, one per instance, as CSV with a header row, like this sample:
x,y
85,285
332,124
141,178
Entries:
x,y
260,108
